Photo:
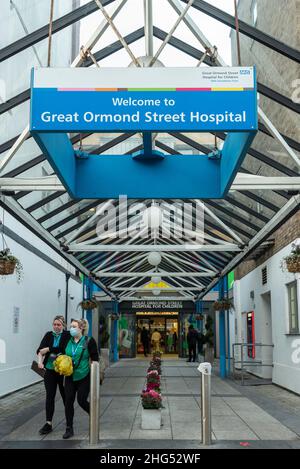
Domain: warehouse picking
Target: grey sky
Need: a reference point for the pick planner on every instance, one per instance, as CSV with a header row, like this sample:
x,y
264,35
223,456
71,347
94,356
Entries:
x,y
131,18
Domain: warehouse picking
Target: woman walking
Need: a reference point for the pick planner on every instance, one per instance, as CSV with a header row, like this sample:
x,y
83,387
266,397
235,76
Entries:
x,y
83,350
52,344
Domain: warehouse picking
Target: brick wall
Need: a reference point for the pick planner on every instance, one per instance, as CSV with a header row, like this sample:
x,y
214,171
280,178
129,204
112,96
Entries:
x,y
284,235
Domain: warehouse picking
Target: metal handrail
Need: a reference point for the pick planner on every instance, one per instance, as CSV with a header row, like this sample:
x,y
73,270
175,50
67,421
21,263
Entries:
x,y
248,362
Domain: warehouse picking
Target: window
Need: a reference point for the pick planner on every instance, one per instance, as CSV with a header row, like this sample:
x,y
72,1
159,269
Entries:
x,y
293,308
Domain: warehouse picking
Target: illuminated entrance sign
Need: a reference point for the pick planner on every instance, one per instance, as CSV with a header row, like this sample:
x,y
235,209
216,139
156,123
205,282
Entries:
x,y
150,313
156,306
216,99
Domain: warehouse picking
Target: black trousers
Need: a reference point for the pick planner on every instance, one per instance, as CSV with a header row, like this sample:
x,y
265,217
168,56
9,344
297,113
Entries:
x,y
82,388
146,347
192,351
52,380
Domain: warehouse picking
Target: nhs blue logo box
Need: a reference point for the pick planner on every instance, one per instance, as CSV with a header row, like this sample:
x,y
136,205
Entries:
x,y
146,100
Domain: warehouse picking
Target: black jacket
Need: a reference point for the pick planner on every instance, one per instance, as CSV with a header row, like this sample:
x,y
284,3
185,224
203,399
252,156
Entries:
x,y
145,337
47,341
192,337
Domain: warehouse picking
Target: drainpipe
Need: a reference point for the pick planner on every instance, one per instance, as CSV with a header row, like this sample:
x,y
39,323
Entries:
x,y
67,296
228,329
115,333
222,332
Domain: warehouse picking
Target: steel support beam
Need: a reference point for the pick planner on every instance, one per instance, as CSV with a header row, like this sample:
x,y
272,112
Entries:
x,y
29,222
43,32
279,218
247,30
154,248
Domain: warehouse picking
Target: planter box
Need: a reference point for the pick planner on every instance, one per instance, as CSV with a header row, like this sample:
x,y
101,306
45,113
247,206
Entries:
x,y
151,419
104,352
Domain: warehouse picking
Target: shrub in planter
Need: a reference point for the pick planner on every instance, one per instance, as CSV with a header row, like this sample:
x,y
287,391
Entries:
x,y
292,261
208,341
103,332
10,264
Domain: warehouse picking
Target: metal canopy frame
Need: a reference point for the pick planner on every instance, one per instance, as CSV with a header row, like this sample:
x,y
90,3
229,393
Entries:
x,y
124,270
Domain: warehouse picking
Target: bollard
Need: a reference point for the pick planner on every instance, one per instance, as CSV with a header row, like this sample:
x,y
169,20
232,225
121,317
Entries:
x,y
94,403
205,370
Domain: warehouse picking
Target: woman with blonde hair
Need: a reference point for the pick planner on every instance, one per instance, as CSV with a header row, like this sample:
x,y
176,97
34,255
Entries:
x,y
83,350
52,344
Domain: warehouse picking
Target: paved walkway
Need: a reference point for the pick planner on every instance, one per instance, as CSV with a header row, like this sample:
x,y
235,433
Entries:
x,y
264,416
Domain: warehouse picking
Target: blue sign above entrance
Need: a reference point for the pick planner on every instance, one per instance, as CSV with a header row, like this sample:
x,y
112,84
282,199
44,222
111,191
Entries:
x,y
198,100
144,100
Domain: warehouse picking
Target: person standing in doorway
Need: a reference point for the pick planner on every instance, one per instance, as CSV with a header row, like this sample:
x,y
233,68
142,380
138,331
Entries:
x,y
52,344
145,340
192,340
155,339
82,350
175,341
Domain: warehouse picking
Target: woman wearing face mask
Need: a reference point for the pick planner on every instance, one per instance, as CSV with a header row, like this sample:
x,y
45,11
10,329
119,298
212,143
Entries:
x,y
82,350
53,343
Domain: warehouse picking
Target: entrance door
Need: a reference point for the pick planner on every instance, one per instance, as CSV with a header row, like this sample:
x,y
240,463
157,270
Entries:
x,y
167,328
266,335
171,335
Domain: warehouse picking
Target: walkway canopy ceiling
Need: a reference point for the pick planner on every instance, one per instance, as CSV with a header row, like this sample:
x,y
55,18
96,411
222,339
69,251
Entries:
x,y
234,227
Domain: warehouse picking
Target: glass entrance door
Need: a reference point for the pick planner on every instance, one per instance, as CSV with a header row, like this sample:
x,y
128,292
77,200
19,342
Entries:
x,y
167,327
171,335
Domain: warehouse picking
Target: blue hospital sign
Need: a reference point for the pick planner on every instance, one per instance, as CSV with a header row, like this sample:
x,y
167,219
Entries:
x,y
144,99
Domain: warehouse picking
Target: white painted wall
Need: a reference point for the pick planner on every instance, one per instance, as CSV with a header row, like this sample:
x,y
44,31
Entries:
x,y
38,300
286,359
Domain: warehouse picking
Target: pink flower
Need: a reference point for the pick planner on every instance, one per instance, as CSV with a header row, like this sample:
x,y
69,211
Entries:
x,y
154,394
152,373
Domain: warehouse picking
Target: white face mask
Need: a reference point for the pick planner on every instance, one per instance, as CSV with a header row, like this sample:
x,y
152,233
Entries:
x,y
74,331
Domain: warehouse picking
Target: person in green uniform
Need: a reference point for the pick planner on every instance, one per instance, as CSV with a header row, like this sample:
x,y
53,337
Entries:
x,y
52,344
83,350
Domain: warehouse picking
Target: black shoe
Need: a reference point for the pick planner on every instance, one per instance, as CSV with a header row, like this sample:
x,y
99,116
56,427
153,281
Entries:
x,y
47,428
69,432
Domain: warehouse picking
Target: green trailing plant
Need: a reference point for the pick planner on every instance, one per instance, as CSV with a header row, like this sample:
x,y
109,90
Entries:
x,y
10,264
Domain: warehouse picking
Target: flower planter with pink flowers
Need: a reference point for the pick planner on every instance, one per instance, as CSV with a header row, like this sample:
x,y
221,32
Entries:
x,y
151,397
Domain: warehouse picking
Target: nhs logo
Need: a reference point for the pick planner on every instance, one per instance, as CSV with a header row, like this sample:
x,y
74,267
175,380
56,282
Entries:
x,y
244,72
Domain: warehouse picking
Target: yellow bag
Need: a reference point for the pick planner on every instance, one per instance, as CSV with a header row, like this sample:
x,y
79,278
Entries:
x,y
63,365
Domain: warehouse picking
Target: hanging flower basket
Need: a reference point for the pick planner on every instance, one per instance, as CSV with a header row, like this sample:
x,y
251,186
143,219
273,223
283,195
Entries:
x,y
222,304
88,304
199,317
10,264
7,267
115,317
292,262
